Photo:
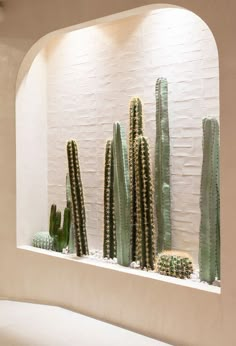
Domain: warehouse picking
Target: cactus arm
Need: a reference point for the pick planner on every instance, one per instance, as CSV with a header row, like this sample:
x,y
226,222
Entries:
x,y
121,195
52,219
162,174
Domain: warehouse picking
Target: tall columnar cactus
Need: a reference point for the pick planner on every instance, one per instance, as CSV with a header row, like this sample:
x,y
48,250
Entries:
x,y
209,237
60,235
162,171
121,195
77,199
145,246
135,130
71,244
109,242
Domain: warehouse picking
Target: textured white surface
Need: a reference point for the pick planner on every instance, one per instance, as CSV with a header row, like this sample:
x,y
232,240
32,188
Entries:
x,y
93,73
25,324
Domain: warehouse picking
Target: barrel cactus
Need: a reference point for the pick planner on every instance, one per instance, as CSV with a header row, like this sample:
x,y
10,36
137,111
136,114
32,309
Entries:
x,y
60,235
176,264
77,196
162,170
145,242
121,195
109,242
43,240
209,236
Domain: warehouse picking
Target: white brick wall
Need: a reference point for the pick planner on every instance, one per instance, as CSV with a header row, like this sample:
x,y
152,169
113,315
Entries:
x,y
93,73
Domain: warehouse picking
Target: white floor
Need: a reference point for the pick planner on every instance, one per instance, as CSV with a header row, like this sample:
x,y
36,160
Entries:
x,y
25,324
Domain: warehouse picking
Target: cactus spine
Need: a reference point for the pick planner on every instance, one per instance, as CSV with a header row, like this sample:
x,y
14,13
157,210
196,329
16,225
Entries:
x,y
209,237
77,199
71,244
173,263
145,245
60,235
121,195
162,173
109,243
135,130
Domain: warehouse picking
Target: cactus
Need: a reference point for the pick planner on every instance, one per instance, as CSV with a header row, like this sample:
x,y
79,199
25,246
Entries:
x,y
71,243
77,199
60,235
43,240
209,237
173,263
135,130
109,243
121,195
162,174
145,244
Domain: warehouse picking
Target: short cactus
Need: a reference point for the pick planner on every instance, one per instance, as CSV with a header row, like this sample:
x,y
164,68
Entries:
x,y
162,169
209,236
109,242
145,242
121,195
173,263
77,199
60,235
43,240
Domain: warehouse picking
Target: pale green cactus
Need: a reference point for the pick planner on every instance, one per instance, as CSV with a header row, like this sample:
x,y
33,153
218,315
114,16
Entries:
x,y
43,240
121,195
162,170
209,237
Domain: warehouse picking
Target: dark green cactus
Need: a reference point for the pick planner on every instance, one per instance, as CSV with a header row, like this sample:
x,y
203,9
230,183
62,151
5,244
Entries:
x,y
121,195
77,199
109,242
162,170
145,242
71,244
60,235
174,264
43,240
135,130
209,237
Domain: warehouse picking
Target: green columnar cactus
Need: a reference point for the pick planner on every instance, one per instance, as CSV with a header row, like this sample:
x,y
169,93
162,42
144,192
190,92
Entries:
x,y
71,243
135,130
174,264
162,172
43,240
209,237
145,246
60,235
121,195
77,199
109,242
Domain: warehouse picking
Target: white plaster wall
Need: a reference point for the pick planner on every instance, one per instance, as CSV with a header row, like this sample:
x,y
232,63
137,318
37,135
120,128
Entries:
x,y
31,152
93,73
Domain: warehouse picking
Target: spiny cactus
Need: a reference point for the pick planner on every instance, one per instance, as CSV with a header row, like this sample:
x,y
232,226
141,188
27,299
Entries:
x,y
209,237
135,130
162,173
60,235
77,199
43,240
71,244
173,263
109,242
121,195
145,243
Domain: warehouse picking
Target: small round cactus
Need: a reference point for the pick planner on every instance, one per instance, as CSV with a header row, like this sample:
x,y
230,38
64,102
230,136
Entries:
x,y
173,263
43,240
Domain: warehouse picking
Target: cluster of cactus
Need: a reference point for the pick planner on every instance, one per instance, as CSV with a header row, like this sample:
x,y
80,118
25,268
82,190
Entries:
x,y
60,235
77,197
121,195
43,240
176,264
109,243
71,245
162,170
145,241
209,236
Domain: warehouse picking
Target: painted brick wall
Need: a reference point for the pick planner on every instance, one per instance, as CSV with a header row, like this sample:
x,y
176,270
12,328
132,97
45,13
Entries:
x,y
93,73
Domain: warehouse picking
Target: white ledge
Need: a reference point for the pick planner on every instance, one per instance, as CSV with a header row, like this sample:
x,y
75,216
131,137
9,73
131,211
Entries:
x,y
148,275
